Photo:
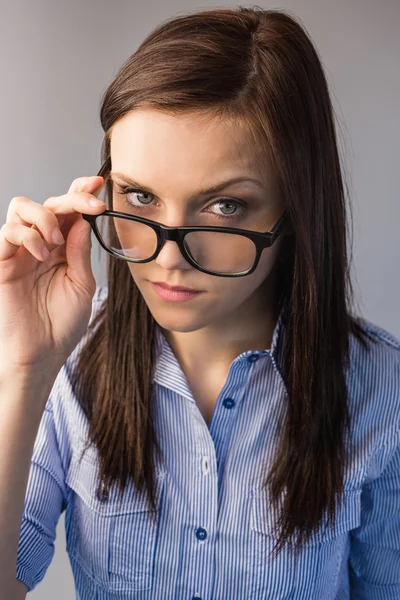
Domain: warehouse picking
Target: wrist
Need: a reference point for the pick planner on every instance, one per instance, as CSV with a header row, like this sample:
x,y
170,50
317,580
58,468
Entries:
x,y
27,380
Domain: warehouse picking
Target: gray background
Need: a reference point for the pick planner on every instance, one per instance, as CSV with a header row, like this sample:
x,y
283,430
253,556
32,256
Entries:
x,y
58,57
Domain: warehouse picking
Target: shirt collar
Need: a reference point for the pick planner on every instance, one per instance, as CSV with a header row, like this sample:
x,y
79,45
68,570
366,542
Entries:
x,y
167,369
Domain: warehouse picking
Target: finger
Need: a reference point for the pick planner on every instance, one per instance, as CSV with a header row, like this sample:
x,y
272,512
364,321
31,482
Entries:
x,y
14,212
93,184
74,202
25,211
77,252
79,238
44,218
15,235
62,205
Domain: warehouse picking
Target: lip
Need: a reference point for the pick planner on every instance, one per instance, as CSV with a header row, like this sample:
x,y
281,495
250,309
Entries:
x,y
173,288
174,294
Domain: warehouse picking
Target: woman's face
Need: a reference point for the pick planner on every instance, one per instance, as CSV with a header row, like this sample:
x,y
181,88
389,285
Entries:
x,y
176,158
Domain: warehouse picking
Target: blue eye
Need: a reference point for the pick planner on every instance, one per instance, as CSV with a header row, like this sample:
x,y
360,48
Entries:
x,y
235,205
128,191
237,208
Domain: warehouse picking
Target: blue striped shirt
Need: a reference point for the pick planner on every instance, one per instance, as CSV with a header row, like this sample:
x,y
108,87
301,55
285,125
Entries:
x,y
215,523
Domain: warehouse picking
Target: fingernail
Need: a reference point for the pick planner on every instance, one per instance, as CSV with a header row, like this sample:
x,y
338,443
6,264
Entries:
x,y
57,236
96,202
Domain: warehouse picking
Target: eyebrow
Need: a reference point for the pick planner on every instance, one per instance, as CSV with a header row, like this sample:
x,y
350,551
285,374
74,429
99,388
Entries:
x,y
215,188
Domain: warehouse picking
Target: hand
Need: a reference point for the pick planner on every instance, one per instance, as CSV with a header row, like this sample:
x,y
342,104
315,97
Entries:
x,y
45,303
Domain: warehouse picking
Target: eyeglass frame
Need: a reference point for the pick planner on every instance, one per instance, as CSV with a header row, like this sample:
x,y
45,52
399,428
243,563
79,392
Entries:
x,y
165,233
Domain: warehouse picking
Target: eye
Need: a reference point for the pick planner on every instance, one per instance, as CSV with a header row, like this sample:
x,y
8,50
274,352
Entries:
x,y
229,207
129,192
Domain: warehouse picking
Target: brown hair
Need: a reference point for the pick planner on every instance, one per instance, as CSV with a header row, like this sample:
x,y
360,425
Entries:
x,y
260,67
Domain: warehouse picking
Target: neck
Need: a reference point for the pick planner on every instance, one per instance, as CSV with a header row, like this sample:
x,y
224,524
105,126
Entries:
x,y
214,347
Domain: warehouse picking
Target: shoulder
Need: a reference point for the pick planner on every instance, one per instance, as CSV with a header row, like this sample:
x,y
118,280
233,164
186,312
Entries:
x,y
373,381
385,338
375,363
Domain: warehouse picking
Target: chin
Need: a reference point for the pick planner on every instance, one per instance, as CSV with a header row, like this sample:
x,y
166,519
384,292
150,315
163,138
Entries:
x,y
179,318
178,323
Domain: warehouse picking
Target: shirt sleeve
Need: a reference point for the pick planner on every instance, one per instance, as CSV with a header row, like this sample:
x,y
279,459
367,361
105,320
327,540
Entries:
x,y
374,561
45,500
46,494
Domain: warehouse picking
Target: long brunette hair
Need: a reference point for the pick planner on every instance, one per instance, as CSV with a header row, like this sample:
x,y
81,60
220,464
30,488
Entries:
x,y
258,67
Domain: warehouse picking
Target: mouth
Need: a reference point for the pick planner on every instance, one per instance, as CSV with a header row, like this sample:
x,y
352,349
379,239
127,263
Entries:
x,y
178,288
174,293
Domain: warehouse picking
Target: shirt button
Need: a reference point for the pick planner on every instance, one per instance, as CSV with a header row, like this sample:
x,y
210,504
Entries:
x,y
205,465
201,533
253,358
229,403
102,497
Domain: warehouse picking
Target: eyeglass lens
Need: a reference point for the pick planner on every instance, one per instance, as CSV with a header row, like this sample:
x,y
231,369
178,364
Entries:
x,y
213,251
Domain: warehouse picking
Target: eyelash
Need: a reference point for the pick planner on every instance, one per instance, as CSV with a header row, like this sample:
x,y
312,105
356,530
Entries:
x,y
129,190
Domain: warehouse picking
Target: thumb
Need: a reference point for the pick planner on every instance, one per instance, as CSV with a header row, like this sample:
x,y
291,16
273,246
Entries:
x,y
78,241
77,249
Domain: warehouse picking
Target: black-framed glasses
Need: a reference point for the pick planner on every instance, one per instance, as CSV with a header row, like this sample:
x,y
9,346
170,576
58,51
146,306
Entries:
x,y
219,251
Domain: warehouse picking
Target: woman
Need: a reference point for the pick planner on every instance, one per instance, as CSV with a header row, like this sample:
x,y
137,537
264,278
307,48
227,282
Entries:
x,y
238,438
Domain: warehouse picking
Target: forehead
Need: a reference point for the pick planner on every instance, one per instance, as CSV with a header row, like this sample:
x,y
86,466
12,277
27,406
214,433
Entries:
x,y
150,143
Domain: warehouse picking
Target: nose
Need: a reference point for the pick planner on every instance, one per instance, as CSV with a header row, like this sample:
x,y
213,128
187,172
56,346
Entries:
x,y
170,257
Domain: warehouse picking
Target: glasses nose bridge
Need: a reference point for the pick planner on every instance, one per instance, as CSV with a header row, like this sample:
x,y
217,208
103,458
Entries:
x,y
168,234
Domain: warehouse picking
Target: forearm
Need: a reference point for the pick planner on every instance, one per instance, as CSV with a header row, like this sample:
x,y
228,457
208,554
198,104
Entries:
x,y
22,402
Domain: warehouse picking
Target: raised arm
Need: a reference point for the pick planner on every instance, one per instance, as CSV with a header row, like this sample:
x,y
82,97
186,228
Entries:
x,y
22,403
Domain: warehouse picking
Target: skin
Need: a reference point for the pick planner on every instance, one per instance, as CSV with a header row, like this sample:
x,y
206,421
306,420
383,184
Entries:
x,y
176,157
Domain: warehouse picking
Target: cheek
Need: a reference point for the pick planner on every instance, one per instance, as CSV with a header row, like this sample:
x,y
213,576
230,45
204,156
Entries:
x,y
139,272
265,266
238,290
